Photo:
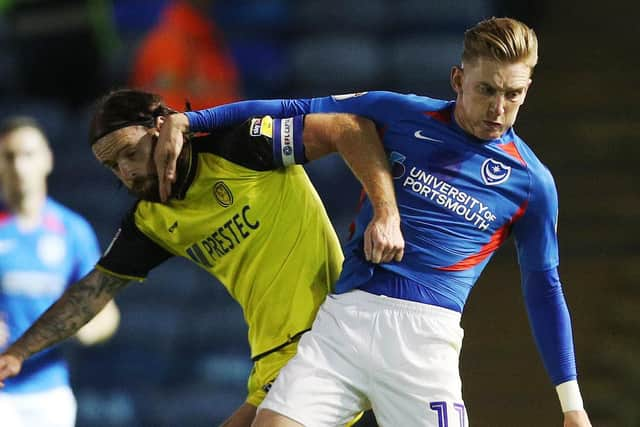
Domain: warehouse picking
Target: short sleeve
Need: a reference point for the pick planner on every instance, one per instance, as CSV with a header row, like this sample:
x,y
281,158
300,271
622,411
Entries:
x,y
131,253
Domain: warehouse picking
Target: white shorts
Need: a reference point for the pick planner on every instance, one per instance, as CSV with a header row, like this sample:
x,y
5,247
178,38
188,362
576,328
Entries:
x,y
51,408
399,358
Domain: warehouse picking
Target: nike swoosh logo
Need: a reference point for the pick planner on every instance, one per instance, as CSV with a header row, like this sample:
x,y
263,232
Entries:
x,y
418,134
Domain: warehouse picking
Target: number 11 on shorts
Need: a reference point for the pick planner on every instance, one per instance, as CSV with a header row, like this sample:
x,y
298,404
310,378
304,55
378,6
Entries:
x,y
443,417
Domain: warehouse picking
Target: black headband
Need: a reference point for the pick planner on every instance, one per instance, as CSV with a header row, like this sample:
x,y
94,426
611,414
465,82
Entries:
x,y
148,122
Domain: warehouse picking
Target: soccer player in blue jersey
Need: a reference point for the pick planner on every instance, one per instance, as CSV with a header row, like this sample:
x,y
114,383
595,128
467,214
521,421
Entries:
x,y
389,337
44,247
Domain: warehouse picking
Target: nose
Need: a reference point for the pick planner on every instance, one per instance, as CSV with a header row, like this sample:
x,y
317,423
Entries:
x,y
497,106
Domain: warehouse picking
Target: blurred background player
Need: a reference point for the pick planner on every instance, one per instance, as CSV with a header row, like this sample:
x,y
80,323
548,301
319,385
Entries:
x,y
184,57
44,247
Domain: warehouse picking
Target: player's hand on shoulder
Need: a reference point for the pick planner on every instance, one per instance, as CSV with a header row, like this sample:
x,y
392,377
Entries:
x,y
168,148
383,240
10,366
576,419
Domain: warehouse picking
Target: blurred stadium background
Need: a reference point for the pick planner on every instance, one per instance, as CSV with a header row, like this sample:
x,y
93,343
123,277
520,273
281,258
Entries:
x,y
180,357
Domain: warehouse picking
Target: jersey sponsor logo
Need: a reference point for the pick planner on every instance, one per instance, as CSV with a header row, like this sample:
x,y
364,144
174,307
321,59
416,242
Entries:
x,y
418,134
449,197
494,172
51,250
224,238
397,164
223,194
347,96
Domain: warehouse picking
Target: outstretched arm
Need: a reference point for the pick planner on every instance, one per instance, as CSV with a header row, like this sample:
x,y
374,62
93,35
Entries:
x,y
366,104
79,304
170,140
355,138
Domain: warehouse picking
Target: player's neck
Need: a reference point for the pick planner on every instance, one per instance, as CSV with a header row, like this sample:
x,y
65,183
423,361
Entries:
x,y
28,208
458,116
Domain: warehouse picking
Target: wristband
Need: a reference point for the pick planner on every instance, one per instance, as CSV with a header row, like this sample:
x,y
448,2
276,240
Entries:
x,y
570,397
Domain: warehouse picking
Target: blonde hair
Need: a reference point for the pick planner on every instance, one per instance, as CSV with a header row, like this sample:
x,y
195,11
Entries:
x,y
501,39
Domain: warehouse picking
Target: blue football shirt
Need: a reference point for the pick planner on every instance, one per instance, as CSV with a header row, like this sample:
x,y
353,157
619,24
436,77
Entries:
x,y
459,197
36,266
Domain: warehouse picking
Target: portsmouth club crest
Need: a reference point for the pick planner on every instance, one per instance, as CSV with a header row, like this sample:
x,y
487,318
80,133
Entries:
x,y
397,164
223,194
494,172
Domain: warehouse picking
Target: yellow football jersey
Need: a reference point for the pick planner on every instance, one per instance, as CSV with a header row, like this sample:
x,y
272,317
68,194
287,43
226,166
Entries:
x,y
264,235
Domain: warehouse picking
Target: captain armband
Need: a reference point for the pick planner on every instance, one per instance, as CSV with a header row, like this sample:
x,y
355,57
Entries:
x,y
286,138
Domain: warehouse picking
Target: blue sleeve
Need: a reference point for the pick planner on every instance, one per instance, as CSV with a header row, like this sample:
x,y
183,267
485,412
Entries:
x,y
550,323
237,112
535,233
379,106
87,250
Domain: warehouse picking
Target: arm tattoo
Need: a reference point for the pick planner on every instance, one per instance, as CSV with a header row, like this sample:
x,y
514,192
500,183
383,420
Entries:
x,y
79,304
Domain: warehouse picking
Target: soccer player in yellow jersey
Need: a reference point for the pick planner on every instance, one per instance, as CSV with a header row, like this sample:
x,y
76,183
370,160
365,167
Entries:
x,y
243,209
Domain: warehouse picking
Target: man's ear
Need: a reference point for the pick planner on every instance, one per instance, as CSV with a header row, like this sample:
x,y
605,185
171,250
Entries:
x,y
456,79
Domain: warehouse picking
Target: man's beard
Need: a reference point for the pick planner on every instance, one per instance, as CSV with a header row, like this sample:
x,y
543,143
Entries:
x,y
146,188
